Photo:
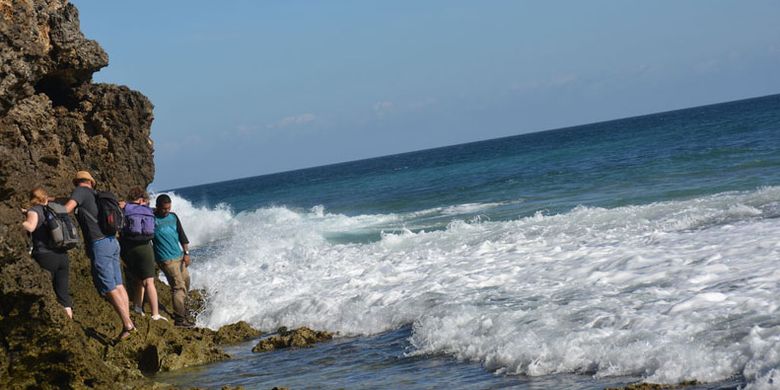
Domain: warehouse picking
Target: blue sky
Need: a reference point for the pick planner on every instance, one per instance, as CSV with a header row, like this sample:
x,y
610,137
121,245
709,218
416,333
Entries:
x,y
245,88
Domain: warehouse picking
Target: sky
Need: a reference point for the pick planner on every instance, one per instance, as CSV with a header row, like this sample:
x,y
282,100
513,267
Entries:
x,y
246,88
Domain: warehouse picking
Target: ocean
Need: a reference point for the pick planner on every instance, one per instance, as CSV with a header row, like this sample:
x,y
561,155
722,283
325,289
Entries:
x,y
639,249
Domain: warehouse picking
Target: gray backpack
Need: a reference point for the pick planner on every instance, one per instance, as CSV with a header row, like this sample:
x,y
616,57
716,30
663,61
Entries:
x,y
62,230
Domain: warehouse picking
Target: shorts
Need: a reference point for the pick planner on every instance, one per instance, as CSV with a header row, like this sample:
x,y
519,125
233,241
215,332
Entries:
x,y
106,273
139,258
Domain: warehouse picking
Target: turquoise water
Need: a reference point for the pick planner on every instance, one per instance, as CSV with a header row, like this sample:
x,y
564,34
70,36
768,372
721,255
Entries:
x,y
640,248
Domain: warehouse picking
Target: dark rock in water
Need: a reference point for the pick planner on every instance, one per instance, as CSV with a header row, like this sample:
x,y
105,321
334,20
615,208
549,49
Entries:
x,y
236,333
655,386
301,337
54,122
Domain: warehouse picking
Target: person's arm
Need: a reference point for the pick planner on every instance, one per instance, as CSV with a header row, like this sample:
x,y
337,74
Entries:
x,y
31,222
187,259
71,205
185,243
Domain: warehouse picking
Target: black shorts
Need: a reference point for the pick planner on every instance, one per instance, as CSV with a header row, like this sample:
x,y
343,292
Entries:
x,y
139,258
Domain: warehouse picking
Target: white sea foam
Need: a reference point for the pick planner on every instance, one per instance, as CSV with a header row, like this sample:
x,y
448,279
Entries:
x,y
202,225
670,291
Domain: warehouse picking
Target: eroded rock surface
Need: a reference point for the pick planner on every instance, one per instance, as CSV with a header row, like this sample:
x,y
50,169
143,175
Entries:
x,y
236,333
298,338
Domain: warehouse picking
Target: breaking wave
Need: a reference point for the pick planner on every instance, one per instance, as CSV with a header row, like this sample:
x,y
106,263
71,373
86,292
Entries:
x,y
670,291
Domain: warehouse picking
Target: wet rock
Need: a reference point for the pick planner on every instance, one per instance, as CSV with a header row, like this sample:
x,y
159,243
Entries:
x,y
159,346
299,338
236,333
196,302
655,386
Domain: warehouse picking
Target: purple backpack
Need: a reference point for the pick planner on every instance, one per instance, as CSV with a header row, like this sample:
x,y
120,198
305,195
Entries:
x,y
139,223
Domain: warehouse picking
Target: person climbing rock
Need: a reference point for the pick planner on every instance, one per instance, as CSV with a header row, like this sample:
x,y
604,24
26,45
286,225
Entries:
x,y
101,246
49,253
135,241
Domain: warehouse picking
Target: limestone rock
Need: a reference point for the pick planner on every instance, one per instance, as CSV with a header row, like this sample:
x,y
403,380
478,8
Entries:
x,y
236,333
299,338
655,386
54,122
159,346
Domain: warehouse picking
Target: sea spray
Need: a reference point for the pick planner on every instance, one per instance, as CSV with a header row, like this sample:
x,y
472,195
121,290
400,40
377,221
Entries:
x,y
201,224
669,290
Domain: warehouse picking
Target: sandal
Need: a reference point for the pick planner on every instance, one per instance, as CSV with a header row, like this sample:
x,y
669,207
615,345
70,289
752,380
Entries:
x,y
126,333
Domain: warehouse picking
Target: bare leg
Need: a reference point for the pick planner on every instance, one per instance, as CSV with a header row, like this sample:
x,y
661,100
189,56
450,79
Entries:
x,y
138,299
125,297
121,304
151,293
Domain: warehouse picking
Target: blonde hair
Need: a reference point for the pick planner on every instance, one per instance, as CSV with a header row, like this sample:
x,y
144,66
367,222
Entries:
x,y
38,196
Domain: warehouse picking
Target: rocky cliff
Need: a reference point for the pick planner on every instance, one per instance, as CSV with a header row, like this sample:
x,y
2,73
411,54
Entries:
x,y
53,122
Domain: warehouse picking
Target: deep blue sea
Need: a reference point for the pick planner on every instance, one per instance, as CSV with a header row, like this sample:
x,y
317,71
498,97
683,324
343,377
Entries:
x,y
640,249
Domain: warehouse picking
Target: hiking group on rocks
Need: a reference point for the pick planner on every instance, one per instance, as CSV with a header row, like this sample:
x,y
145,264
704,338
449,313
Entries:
x,y
146,236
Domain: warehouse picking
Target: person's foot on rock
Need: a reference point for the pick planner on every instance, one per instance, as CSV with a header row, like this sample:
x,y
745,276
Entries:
x,y
126,333
183,324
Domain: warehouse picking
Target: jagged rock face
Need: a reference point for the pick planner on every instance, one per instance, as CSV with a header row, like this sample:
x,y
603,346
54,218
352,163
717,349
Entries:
x,y
43,50
54,122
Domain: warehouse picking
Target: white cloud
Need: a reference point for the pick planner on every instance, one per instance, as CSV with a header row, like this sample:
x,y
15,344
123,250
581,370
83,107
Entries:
x,y
293,120
383,107
708,66
423,103
563,79
245,129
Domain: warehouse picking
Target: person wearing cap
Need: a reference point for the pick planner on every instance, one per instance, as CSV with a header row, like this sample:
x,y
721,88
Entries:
x,y
102,250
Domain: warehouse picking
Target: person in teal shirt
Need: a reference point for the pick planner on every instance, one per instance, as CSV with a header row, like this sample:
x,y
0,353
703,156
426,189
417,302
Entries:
x,y
173,256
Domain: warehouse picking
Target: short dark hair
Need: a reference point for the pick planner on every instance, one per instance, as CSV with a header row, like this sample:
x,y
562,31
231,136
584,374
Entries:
x,y
163,199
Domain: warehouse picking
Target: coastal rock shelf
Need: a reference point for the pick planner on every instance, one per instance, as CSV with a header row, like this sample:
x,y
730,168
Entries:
x,y
297,338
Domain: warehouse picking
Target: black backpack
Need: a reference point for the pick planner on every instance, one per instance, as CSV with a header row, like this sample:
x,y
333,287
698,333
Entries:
x,y
62,231
110,218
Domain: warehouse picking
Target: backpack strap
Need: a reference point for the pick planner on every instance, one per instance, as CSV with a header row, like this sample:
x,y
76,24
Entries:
x,y
87,214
